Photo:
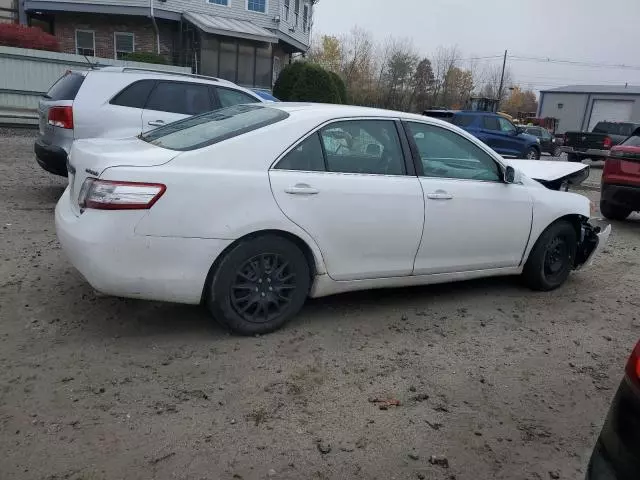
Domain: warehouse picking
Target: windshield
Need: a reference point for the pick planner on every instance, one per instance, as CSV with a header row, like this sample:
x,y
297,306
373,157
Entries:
x,y
213,127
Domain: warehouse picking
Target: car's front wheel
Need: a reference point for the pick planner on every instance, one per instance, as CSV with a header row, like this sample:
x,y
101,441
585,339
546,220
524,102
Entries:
x,y
532,154
552,258
259,285
613,212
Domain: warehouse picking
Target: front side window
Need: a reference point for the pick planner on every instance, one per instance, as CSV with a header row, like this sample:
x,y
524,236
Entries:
x,y
213,127
180,97
506,126
124,44
306,157
363,146
446,154
257,5
229,97
86,43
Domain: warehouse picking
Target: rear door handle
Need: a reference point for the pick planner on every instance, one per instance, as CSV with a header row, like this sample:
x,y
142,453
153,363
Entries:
x,y
301,189
156,123
439,196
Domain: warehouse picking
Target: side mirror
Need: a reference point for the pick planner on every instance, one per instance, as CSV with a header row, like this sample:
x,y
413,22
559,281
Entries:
x,y
509,174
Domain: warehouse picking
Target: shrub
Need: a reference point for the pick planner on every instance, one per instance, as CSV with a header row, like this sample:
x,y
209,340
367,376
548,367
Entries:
x,y
145,57
342,88
14,35
315,84
287,80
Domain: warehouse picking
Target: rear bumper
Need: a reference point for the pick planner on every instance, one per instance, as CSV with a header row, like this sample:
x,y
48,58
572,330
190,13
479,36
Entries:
x,y
588,153
627,196
103,247
51,158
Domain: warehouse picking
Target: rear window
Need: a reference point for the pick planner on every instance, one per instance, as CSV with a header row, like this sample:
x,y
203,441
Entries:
x,y
462,120
66,88
213,127
623,129
633,141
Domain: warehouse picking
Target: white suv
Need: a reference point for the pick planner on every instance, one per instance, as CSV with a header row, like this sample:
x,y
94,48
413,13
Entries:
x,y
121,102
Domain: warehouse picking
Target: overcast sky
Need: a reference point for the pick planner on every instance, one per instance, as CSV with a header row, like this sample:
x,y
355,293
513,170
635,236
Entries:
x,y
591,31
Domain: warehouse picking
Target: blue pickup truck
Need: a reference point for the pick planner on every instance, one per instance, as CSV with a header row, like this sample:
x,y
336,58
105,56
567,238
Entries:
x,y
494,130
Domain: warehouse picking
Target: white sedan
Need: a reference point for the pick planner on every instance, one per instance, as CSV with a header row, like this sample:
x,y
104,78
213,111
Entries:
x,y
252,209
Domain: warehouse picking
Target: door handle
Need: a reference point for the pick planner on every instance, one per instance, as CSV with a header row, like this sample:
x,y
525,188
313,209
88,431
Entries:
x,y
156,123
439,196
301,189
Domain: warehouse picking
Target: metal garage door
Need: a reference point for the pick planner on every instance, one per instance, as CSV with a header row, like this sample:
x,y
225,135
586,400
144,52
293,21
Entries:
x,y
610,111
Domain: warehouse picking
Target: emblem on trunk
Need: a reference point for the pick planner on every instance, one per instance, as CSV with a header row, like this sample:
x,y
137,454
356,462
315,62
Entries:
x,y
91,172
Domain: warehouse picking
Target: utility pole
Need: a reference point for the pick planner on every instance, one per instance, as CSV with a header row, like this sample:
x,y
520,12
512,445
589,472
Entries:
x,y
504,65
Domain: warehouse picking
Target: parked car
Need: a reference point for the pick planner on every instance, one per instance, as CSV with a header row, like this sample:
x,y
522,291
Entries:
x,y
620,192
122,102
265,95
253,208
495,130
616,455
596,145
548,143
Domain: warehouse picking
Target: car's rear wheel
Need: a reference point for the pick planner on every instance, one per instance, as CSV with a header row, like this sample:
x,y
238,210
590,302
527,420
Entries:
x,y
552,257
259,285
532,154
613,212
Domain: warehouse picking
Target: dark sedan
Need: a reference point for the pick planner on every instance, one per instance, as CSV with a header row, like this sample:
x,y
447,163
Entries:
x,y
548,143
616,455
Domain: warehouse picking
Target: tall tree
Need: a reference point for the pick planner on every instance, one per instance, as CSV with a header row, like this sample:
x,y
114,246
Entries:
x,y
520,101
423,82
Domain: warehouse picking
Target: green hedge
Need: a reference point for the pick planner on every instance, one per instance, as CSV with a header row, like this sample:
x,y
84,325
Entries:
x,y
146,57
342,88
308,82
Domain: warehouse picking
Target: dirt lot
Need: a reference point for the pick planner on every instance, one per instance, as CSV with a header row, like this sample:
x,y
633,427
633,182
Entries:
x,y
503,382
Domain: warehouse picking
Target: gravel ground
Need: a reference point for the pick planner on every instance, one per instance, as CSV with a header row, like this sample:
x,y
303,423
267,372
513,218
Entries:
x,y
502,382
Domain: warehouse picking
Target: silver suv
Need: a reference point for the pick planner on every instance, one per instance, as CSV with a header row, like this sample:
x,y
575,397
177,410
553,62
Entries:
x,y
122,102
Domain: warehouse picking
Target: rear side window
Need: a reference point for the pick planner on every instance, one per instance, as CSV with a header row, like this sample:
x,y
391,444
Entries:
x,y
135,95
180,97
490,123
213,127
633,141
66,88
462,120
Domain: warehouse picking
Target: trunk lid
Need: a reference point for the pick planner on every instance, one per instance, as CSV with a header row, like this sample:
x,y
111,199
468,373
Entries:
x,y
91,157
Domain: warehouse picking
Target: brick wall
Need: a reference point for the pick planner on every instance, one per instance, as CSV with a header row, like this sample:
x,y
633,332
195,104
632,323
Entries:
x,y
104,26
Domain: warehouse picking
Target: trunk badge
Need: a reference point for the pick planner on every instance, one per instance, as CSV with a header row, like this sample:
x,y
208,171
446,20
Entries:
x,y
91,172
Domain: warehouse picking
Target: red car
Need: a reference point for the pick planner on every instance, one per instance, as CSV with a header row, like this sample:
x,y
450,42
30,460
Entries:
x,y
616,455
621,179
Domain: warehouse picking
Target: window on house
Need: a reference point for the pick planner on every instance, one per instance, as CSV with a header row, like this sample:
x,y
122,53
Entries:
x,y
86,43
124,44
287,7
219,2
257,5
305,18
296,11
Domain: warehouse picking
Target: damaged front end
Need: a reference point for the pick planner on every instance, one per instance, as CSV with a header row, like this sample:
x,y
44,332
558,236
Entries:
x,y
593,238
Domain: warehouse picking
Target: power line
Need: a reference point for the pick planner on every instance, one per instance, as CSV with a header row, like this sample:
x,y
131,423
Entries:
x,y
574,63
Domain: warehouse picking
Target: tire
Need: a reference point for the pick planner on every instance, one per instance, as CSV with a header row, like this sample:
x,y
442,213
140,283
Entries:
x,y
557,152
552,258
273,265
572,157
532,154
613,212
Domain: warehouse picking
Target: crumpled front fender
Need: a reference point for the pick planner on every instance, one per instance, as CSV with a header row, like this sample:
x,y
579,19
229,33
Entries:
x,y
593,238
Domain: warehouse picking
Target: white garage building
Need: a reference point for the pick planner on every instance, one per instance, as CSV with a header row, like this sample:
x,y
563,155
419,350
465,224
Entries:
x,y
580,107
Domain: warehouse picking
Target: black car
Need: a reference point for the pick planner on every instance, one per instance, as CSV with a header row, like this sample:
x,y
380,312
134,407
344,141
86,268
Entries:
x,y
616,455
548,143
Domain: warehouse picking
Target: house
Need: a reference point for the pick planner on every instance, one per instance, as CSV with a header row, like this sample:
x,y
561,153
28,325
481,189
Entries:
x,y
8,11
580,107
245,41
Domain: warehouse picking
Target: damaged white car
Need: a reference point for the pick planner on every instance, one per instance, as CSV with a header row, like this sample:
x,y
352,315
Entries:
x,y
251,209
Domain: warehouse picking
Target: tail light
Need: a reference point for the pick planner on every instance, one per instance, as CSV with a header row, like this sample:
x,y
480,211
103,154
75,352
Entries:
x,y
611,167
607,143
110,195
633,365
61,117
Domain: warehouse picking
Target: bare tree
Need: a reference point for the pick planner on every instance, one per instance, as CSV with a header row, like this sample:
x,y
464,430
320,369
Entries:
x,y
443,61
490,82
398,73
